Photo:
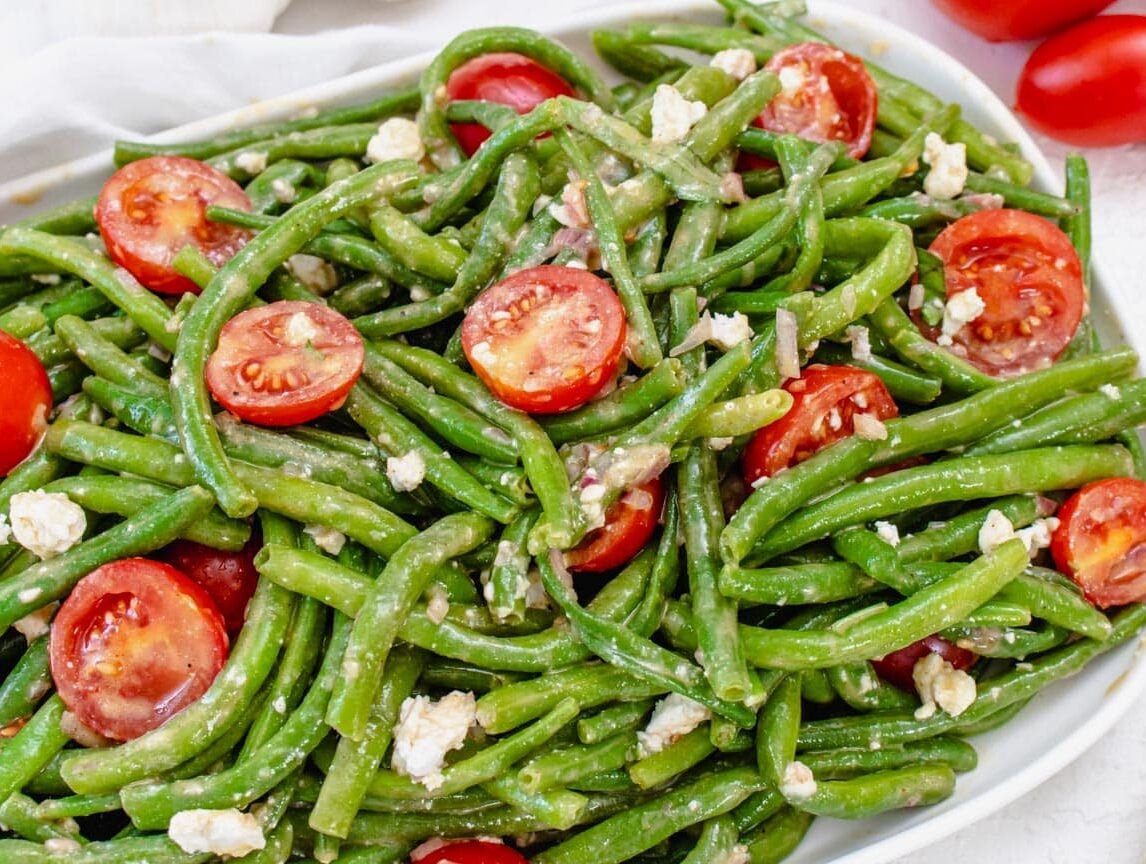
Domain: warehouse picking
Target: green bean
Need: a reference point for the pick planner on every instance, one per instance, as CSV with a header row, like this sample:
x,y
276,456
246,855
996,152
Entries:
x,y
845,762
26,684
21,815
677,757
557,808
1022,198
31,748
436,258
778,728
575,762
795,584
902,382
509,575
871,794
774,840
324,142
610,721
154,849
634,61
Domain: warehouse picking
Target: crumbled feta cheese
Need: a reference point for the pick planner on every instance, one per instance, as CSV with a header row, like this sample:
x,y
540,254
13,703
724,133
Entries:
x,y
798,782
632,466
1037,535
723,331
438,605
860,340
283,190
915,296
960,309
673,115
220,832
887,532
869,427
948,163
737,62
252,161
995,531
738,854
299,330
326,538
673,717
792,78
406,473
46,278
315,273
720,443
427,731
938,683
787,344
1110,391
396,138
62,845
46,523
35,624
573,210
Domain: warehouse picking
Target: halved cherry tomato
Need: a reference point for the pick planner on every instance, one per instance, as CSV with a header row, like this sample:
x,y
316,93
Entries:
x,y
896,668
134,643
545,339
825,402
285,363
150,209
1029,278
826,95
25,401
229,577
472,852
1100,541
514,80
1003,20
1087,85
629,524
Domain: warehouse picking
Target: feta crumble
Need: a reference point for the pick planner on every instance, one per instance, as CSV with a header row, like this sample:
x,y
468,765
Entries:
x,y
723,331
887,532
787,344
396,138
299,330
572,210
252,161
35,624
283,190
672,718
219,832
869,427
1037,535
960,309
995,531
315,273
406,473
427,731
941,685
46,523
327,539
860,340
948,163
798,782
673,115
737,62
1110,391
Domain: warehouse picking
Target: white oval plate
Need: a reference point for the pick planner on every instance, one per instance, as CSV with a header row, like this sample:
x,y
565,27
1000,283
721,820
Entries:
x,y
1061,722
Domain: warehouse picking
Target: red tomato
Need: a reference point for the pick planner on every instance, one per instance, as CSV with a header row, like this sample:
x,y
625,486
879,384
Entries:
x,y
229,577
545,339
134,643
825,402
1003,20
1100,541
896,667
472,852
827,95
629,524
150,209
25,401
507,79
1087,85
1029,278
285,363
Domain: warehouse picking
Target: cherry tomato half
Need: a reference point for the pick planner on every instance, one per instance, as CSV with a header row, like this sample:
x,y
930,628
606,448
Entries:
x,y
25,401
514,80
1087,85
897,667
150,209
472,852
229,577
1100,541
1004,20
285,363
826,95
629,524
545,339
825,402
134,643
1029,278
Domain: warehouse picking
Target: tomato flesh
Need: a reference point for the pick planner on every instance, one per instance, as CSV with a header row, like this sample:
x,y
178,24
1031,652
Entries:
x,y
150,209
545,339
1087,85
513,80
471,852
825,402
1029,277
826,95
228,577
285,363
1100,541
134,643
1004,20
629,524
897,667
25,401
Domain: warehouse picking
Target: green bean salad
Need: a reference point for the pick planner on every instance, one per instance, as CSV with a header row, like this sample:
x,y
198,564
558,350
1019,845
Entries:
x,y
525,467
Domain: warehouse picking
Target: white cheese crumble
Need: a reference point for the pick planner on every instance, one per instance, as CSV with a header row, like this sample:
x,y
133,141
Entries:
x,y
673,717
427,731
438,606
960,309
915,296
220,832
406,473
940,684
995,531
299,330
572,210
787,344
1110,391
860,340
1037,535
35,624
326,538
315,273
283,190
723,331
948,163
737,62
869,427
798,782
62,845
396,138
252,161
46,523
792,78
887,532
673,115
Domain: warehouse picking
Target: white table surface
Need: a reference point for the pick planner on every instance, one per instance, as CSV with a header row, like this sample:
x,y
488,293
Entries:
x,y
1093,810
